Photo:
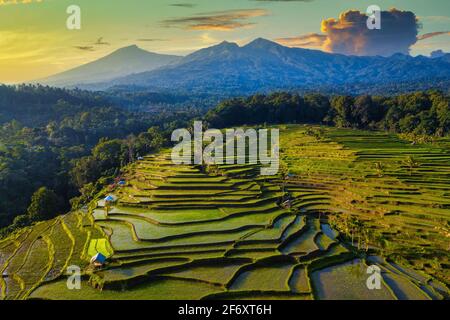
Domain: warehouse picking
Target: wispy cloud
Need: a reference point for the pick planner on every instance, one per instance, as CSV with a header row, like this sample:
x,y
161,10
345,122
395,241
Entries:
x,y
92,46
432,34
183,5
85,48
439,19
151,39
220,20
284,0
6,2
310,40
100,42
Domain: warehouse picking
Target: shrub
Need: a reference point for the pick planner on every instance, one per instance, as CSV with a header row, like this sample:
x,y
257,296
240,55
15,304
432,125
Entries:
x,y
44,205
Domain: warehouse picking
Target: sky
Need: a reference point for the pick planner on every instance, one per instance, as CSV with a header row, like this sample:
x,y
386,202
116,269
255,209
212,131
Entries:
x,y
35,41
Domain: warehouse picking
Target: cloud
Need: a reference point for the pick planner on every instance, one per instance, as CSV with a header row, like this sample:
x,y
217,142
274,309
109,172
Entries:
x,y
5,2
85,48
183,5
151,39
310,40
219,21
432,34
100,42
349,33
284,0
435,19
91,46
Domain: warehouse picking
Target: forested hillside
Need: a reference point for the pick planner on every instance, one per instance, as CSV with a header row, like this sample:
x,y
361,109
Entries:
x,y
55,142
59,147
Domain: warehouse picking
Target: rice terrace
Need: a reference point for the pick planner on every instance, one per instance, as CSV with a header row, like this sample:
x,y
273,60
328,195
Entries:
x,y
343,200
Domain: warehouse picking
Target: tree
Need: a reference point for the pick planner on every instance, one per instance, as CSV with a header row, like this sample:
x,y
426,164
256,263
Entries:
x,y
85,170
21,221
441,108
362,112
411,164
343,107
130,143
149,141
44,205
317,107
379,169
108,153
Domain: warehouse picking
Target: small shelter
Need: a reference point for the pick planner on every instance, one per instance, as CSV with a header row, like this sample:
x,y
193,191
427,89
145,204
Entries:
x,y
287,204
98,260
110,199
290,176
122,183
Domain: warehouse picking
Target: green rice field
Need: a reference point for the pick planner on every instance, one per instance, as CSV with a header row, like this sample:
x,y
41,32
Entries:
x,y
357,198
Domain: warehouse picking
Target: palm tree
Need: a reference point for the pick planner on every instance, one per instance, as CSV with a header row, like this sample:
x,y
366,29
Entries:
x,y
379,168
385,245
368,234
107,207
359,228
411,164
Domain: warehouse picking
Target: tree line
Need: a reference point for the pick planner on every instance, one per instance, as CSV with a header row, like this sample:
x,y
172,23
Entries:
x,y
421,113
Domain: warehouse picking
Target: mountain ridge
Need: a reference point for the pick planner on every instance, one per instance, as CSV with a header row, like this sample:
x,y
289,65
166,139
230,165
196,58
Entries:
x,y
264,65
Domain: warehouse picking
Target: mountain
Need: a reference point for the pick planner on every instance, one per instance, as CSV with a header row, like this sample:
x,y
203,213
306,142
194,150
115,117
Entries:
x,y
439,54
263,65
120,63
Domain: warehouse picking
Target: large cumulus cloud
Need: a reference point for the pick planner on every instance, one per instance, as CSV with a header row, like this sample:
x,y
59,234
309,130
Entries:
x,y
350,35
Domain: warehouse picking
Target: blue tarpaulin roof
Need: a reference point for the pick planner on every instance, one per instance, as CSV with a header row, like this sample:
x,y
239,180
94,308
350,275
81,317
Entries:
x,y
98,258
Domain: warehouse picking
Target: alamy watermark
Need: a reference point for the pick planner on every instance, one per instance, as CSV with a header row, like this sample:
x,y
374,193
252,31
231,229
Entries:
x,y
374,17
374,280
73,278
228,147
73,21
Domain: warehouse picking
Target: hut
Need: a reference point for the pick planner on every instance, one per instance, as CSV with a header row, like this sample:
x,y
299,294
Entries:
x,y
110,199
98,260
290,176
287,204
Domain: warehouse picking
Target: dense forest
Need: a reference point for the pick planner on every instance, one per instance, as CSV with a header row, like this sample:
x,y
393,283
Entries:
x,y
419,113
56,144
59,147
